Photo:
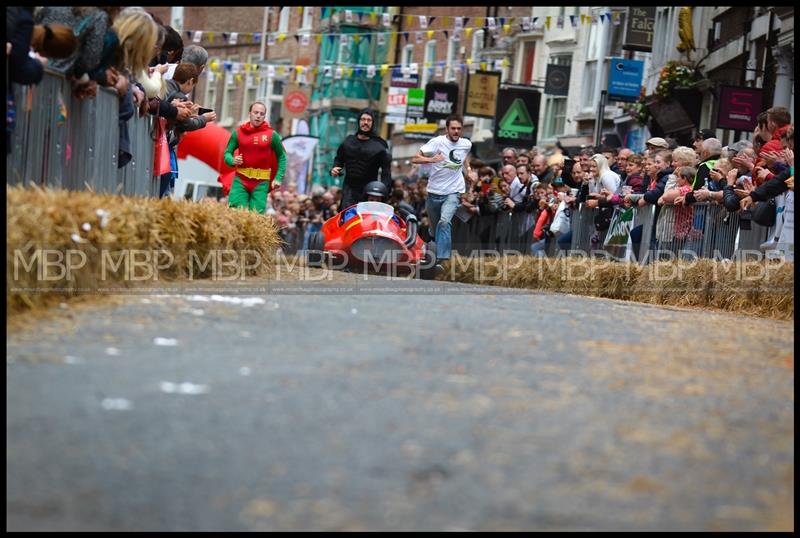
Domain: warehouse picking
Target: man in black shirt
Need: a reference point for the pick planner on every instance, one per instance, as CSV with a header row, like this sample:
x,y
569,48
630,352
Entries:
x,y
361,155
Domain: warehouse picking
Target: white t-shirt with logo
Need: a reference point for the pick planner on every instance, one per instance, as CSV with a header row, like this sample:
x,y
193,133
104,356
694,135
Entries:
x,y
446,176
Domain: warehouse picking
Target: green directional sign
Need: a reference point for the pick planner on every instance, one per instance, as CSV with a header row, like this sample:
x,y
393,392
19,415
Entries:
x,y
518,110
516,120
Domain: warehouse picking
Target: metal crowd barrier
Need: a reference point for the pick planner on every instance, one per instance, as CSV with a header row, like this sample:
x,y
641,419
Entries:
x,y
79,149
500,232
703,230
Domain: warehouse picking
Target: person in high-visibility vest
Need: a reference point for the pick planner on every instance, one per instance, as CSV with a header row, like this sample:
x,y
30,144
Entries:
x,y
261,162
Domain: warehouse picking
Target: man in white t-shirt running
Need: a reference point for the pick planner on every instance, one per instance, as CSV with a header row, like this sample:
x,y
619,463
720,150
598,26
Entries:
x,y
448,156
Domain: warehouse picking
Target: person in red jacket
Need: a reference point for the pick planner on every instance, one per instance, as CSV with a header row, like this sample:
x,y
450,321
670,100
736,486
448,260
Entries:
x,y
261,162
778,121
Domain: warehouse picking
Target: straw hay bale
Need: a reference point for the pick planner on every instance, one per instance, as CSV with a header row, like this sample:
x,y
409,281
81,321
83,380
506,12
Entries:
x,y
758,288
98,225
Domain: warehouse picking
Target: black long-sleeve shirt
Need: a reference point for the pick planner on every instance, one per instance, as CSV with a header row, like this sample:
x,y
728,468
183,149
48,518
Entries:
x,y
771,188
22,69
361,160
652,195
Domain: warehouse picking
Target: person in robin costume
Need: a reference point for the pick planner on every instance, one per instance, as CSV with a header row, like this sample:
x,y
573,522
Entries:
x,y
261,162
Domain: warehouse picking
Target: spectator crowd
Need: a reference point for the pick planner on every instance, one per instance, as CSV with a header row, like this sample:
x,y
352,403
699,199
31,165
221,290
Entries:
x,y
131,52
544,188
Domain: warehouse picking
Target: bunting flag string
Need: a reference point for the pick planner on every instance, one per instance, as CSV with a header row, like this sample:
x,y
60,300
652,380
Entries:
x,y
493,24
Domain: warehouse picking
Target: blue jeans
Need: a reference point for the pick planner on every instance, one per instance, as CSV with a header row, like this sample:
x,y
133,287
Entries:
x,y
441,208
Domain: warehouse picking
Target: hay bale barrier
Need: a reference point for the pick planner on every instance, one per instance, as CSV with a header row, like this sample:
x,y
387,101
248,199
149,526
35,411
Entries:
x,y
762,288
62,244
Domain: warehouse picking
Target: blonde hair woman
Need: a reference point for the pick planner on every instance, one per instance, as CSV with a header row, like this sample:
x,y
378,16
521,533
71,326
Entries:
x,y
605,176
138,36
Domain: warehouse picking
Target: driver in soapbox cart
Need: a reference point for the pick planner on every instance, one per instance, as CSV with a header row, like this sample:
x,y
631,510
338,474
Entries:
x,y
371,234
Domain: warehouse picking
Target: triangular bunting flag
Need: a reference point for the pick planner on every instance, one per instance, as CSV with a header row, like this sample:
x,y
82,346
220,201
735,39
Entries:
x,y
547,21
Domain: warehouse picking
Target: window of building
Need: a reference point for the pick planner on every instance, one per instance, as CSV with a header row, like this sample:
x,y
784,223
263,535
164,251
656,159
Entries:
x,y
408,55
592,40
430,59
176,19
274,102
308,18
556,105
250,87
588,98
283,21
212,79
450,71
229,93
477,45
344,52
555,116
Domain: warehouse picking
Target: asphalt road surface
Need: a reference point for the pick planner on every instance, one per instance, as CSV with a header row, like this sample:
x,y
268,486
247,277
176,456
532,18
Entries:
x,y
444,407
